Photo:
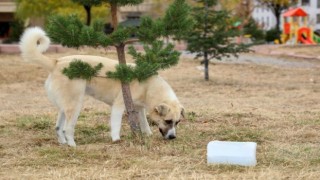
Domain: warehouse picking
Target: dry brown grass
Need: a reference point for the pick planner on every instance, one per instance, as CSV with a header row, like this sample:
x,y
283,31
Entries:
x,y
276,107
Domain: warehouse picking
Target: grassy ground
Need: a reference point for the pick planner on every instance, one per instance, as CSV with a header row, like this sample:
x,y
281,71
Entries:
x,y
276,107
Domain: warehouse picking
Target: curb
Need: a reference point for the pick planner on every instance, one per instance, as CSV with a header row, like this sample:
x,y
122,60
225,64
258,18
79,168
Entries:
x,y
14,48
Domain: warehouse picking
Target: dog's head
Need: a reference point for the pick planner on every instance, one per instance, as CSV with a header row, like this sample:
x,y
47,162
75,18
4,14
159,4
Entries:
x,y
167,116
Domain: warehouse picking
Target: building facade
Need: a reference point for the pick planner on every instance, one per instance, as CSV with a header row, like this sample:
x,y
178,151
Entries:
x,y
312,7
263,16
7,10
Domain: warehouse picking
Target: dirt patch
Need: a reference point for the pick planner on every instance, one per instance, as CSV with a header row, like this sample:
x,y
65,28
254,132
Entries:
x,y
275,106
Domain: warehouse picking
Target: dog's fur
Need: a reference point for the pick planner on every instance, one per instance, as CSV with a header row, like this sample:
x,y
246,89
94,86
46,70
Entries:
x,y
153,95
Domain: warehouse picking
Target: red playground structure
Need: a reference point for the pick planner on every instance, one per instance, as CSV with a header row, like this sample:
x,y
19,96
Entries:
x,y
295,27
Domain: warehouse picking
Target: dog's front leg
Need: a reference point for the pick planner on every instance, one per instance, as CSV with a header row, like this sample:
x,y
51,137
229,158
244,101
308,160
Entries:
x,y
115,121
144,125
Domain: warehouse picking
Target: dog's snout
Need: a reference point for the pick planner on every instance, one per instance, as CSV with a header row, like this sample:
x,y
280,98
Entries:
x,y
171,136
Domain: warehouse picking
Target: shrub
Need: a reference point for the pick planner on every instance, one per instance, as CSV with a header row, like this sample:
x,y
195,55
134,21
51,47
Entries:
x,y
272,35
253,29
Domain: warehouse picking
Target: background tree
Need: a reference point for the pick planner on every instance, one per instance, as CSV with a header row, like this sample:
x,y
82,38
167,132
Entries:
x,y
244,11
230,5
210,37
69,31
277,6
42,9
87,4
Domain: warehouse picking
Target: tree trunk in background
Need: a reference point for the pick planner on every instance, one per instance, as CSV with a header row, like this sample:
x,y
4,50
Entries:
x,y
88,11
133,117
206,60
206,66
277,14
114,18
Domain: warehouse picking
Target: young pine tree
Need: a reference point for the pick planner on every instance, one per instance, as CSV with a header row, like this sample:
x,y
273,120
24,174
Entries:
x,y
71,32
210,37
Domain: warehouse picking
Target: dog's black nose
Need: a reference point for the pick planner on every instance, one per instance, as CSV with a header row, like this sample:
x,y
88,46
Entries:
x,y
172,137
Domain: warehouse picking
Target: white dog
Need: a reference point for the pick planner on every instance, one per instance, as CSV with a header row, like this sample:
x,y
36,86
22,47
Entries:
x,y
153,95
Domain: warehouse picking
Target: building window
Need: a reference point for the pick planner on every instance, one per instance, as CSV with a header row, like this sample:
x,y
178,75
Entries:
x,y
305,2
318,18
318,4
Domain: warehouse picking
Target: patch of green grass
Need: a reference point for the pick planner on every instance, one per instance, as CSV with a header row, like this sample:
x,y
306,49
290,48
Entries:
x,y
237,115
227,168
315,161
3,129
63,156
191,116
35,122
240,134
298,155
84,116
86,134
307,122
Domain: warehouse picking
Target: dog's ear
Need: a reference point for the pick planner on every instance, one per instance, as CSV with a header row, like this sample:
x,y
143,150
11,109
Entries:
x,y
162,109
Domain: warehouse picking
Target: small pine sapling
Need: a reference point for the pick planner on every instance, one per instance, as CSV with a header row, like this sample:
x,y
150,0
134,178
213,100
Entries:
x,y
210,37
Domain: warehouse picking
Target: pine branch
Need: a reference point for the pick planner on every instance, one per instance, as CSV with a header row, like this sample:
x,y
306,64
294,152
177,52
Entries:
x,y
70,32
81,70
177,21
124,73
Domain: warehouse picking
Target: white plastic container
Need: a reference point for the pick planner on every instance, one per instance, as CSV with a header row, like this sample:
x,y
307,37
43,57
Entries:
x,y
233,153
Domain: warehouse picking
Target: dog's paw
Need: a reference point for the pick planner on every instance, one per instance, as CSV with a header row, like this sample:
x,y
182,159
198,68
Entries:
x,y
72,144
147,133
62,141
116,141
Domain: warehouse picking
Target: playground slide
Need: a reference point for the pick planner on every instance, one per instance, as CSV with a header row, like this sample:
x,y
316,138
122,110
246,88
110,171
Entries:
x,y
306,40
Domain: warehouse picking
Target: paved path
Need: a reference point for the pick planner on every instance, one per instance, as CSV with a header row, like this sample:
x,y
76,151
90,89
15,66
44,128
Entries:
x,y
285,62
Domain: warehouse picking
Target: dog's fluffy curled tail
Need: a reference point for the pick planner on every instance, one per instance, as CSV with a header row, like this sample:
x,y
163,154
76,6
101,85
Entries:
x,y
33,43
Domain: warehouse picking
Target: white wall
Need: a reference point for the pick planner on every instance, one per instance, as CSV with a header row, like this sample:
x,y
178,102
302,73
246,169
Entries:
x,y
313,10
263,16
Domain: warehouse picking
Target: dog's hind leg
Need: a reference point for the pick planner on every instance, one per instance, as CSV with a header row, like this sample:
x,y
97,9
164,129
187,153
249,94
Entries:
x,y
72,114
144,125
59,127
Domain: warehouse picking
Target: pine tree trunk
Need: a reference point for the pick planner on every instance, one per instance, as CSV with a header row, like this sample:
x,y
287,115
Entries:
x,y
206,66
88,11
133,117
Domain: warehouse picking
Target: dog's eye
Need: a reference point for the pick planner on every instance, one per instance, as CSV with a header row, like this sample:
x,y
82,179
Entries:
x,y
168,122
